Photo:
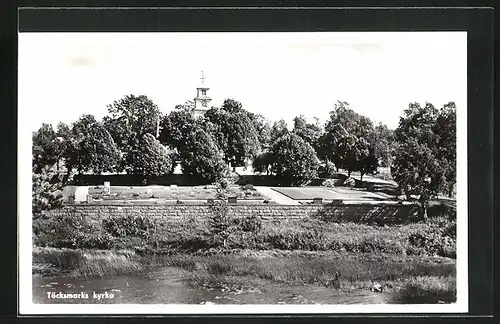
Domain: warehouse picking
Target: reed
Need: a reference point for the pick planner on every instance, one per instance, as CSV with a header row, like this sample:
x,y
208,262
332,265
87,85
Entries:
x,y
88,263
427,290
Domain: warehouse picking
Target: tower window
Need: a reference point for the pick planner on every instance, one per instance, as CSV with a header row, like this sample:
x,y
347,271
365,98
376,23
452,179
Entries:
x,y
203,92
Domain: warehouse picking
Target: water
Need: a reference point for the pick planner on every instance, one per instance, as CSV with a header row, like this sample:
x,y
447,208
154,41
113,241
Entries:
x,y
166,286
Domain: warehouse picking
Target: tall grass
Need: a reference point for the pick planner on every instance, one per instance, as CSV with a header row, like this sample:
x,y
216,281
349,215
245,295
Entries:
x,y
427,290
295,268
89,263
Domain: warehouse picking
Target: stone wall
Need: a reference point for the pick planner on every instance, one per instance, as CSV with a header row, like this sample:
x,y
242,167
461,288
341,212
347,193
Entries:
x,y
365,213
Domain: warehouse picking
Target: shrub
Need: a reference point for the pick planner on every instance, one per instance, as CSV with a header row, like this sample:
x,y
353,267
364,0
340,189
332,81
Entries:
x,y
329,183
62,231
431,242
45,194
220,223
102,241
301,240
251,224
139,226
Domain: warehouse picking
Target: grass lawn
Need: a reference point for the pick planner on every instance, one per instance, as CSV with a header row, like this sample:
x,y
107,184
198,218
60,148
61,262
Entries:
x,y
308,193
172,193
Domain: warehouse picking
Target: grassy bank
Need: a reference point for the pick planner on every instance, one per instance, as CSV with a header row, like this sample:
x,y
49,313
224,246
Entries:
x,y
437,237
415,279
414,260
85,263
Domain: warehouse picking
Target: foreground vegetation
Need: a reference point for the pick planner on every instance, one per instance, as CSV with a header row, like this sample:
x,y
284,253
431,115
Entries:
x,y
415,260
414,279
434,238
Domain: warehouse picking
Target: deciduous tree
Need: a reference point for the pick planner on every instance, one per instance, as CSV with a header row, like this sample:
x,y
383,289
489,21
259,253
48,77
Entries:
x,y
446,132
417,166
235,133
294,160
279,129
131,116
263,128
148,157
95,149
45,148
309,132
177,126
202,159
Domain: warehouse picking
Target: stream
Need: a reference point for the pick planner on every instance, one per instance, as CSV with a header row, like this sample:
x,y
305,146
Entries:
x,y
166,286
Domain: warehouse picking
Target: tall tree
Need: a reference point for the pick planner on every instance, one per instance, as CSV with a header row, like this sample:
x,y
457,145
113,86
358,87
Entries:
x,y
446,132
309,132
235,134
67,146
368,161
347,141
327,149
417,167
148,157
95,149
232,106
350,121
177,126
294,160
383,143
45,147
131,115
279,129
202,158
263,128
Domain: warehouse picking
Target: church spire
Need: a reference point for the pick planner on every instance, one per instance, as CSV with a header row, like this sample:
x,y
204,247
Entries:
x,y
202,78
202,100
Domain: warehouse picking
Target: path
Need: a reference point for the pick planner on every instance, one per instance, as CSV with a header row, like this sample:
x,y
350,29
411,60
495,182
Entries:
x,y
276,196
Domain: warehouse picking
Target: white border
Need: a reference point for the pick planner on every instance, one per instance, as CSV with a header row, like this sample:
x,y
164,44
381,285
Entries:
x,y
27,307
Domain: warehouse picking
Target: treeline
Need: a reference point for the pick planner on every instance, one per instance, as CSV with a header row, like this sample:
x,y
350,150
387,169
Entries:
x,y
136,138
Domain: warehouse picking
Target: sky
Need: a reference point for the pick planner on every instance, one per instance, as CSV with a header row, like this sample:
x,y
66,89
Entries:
x,y
280,75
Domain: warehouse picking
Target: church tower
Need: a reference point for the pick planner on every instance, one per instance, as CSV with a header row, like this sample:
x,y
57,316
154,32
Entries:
x,y
202,100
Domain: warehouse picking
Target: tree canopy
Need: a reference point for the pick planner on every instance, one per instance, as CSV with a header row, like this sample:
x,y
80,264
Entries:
x,y
422,167
131,115
294,160
176,127
263,128
279,129
202,158
234,133
309,132
148,157
46,150
95,149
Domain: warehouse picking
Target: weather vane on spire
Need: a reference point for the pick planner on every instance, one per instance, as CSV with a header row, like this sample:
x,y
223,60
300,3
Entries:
x,y
202,77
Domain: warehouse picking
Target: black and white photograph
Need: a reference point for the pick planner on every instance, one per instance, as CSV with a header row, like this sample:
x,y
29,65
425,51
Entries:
x,y
229,172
